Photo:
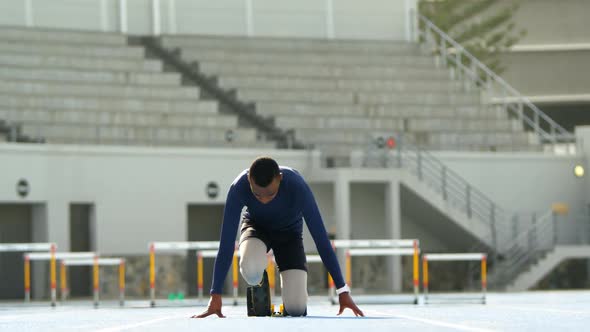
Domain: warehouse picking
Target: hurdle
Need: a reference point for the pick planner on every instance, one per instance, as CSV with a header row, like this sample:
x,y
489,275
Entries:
x,y
29,247
271,271
96,262
179,246
455,257
212,254
208,249
50,256
385,247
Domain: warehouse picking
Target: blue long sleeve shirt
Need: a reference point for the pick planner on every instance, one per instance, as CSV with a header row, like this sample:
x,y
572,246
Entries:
x,y
293,203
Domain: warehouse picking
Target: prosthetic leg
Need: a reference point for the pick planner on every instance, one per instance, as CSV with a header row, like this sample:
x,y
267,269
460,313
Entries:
x,y
258,298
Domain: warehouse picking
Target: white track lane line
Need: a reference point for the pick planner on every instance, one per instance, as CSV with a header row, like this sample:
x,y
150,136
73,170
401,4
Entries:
x,y
135,325
557,311
434,322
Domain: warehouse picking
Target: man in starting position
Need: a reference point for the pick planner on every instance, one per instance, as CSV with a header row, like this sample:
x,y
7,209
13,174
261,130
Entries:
x,y
277,199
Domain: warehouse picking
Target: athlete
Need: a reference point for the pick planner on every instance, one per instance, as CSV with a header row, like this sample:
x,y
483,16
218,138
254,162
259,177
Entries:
x,y
277,200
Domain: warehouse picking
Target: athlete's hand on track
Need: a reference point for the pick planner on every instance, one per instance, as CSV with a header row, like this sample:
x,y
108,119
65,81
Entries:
x,y
346,302
214,307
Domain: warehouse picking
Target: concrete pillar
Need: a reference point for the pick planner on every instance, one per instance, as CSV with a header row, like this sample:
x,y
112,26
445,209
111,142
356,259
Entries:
x,y
39,269
342,213
342,207
58,223
393,227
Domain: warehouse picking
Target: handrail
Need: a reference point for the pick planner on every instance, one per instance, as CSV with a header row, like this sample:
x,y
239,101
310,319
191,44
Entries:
x,y
526,247
450,185
556,134
501,238
540,221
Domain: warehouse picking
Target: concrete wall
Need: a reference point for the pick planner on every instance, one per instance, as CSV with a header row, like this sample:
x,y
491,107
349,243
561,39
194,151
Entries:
x,y
548,73
547,69
370,19
138,194
134,187
526,182
554,22
143,194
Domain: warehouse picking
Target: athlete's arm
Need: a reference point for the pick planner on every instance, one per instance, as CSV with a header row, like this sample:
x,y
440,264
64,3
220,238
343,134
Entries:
x,y
316,227
229,229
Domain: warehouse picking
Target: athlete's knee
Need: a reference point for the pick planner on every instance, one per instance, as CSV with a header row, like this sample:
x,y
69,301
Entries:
x,y
251,273
294,289
253,260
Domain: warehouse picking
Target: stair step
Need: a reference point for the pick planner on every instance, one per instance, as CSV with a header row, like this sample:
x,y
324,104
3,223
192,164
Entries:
x,y
141,135
287,57
244,44
432,98
118,118
399,110
49,49
79,62
49,88
102,77
318,71
13,102
341,85
397,124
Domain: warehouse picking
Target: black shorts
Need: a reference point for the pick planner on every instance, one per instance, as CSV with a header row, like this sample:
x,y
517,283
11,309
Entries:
x,y
286,246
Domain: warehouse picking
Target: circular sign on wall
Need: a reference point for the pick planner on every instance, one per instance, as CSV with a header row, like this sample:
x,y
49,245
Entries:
x,y
212,190
22,188
230,135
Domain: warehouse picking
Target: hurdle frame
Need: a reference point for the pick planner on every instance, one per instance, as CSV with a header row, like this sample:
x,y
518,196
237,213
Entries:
x,y
206,249
96,262
382,247
52,257
33,247
180,246
455,257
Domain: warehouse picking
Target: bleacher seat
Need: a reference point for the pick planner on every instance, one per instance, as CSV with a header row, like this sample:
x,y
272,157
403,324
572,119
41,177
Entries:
x,y
336,94
75,87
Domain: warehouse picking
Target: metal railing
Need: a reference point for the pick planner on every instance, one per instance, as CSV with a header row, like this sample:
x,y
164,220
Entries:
x,y
512,242
469,67
525,247
453,188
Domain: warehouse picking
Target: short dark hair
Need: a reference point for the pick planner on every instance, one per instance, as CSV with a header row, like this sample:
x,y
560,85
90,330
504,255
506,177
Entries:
x,y
263,170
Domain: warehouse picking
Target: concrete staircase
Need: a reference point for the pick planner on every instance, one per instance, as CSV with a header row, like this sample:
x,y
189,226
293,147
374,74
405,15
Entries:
x,y
546,264
92,88
334,94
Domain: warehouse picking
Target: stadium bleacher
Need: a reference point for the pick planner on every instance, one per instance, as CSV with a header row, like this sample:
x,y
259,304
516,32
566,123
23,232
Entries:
x,y
92,88
337,94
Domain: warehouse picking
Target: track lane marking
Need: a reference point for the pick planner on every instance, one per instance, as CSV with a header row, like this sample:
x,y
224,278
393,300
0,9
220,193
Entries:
x,y
135,325
435,322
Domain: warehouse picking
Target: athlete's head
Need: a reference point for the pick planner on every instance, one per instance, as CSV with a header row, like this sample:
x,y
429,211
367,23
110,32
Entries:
x,y
264,177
